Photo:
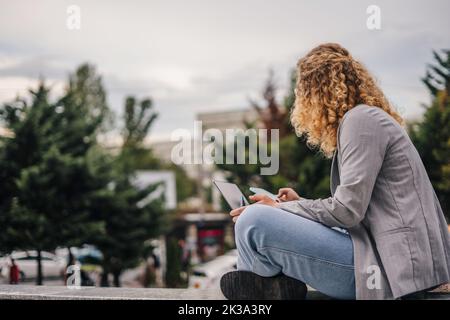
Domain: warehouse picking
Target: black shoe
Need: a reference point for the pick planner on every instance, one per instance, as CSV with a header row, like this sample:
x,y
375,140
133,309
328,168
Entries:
x,y
245,285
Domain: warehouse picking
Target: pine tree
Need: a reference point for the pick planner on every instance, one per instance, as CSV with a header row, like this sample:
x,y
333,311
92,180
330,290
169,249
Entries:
x,y
48,175
129,222
138,120
129,219
24,226
432,135
60,188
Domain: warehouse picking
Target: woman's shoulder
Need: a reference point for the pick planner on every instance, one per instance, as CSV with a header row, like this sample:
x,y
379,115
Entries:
x,y
369,121
363,112
365,116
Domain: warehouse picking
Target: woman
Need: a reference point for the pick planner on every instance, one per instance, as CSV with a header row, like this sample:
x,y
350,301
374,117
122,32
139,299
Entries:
x,y
382,233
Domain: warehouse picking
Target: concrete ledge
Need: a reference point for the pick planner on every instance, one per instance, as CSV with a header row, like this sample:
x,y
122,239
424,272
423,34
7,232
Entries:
x,y
24,292
30,292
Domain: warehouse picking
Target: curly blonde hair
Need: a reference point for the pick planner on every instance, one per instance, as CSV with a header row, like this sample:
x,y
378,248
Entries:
x,y
329,83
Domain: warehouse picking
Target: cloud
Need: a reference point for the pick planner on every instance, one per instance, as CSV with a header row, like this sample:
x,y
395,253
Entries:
x,y
211,55
33,67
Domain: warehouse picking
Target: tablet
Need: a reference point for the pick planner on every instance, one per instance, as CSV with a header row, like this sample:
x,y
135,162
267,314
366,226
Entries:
x,y
265,192
232,194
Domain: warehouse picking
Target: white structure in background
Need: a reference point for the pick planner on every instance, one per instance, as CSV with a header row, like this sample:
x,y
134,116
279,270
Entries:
x,y
233,119
166,189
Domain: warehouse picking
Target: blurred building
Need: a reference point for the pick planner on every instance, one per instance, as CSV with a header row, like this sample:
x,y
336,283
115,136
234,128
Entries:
x,y
233,119
205,233
222,120
166,186
204,174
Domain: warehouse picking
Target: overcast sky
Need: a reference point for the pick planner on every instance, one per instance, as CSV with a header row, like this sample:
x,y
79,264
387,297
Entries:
x,y
193,56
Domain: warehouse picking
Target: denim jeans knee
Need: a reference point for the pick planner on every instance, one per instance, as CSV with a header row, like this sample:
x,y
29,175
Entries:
x,y
252,216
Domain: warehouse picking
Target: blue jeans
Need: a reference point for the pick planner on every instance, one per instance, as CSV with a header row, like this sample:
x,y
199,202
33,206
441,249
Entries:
x,y
271,241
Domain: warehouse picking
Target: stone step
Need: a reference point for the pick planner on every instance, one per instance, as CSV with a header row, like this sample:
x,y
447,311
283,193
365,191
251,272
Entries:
x,y
29,292
26,292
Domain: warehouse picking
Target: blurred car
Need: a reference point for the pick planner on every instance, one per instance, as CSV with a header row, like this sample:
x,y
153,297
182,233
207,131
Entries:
x,y
85,255
207,275
52,266
88,258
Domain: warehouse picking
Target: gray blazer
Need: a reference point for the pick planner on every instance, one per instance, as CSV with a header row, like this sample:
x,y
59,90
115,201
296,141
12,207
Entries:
x,y
382,195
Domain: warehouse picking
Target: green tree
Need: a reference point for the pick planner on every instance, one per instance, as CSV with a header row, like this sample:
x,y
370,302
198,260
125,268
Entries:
x,y
61,188
130,219
138,119
272,115
48,173
431,136
86,92
173,274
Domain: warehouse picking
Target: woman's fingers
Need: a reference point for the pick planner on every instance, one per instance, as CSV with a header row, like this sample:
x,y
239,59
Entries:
x,y
283,192
287,194
237,211
263,199
259,197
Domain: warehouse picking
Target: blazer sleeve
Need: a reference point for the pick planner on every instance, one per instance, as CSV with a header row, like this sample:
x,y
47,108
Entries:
x,y
363,141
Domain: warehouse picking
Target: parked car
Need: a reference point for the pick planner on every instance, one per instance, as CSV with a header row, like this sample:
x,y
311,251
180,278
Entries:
x,y
85,255
52,266
207,275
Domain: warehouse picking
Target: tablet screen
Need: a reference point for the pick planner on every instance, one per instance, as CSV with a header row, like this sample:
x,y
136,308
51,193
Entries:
x,y
231,193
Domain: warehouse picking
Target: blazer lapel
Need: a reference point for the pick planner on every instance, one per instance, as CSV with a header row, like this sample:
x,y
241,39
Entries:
x,y
335,179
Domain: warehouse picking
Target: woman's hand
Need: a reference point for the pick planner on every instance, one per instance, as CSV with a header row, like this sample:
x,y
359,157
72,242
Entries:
x,y
263,199
257,198
287,194
237,212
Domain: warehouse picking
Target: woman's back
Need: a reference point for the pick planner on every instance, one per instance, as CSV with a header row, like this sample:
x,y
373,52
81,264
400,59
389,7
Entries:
x,y
404,216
